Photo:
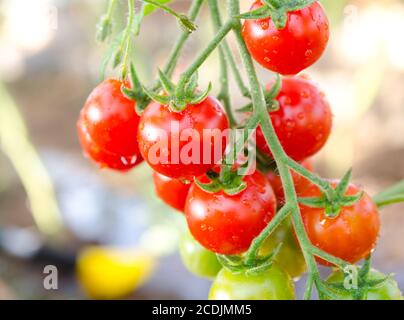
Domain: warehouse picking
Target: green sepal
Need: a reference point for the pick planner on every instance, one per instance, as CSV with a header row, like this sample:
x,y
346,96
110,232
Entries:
x,y
344,184
276,10
236,187
211,187
129,93
313,202
257,14
348,201
201,97
164,100
192,83
166,83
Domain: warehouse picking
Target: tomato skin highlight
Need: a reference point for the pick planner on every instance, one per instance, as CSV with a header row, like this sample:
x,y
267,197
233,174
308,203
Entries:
x,y
304,121
107,127
300,182
352,235
197,259
227,224
173,192
290,50
156,125
271,284
389,290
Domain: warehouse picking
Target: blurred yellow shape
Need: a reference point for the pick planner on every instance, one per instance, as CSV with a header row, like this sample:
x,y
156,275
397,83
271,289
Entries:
x,y
15,143
107,273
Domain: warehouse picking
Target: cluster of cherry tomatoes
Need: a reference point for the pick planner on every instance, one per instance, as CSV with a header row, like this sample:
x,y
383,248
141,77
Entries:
x,y
115,136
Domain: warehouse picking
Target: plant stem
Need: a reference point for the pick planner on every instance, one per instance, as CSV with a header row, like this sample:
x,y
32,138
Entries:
x,y
279,154
327,257
110,9
252,253
222,33
126,42
312,177
179,45
224,78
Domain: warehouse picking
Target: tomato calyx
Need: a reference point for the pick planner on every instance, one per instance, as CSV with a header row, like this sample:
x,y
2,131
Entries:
x,y
335,200
238,264
270,98
190,95
276,10
228,180
361,282
136,92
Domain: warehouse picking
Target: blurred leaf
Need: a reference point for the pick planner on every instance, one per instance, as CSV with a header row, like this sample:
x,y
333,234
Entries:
x,y
149,8
392,195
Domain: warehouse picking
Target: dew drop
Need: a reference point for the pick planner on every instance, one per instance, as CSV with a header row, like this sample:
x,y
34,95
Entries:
x,y
264,25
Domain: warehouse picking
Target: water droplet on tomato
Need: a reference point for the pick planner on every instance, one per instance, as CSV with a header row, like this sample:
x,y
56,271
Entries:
x,y
264,25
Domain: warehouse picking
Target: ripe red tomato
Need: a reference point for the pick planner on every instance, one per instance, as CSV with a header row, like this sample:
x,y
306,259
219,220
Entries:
x,y
303,122
172,191
107,127
352,235
290,50
301,183
173,143
227,224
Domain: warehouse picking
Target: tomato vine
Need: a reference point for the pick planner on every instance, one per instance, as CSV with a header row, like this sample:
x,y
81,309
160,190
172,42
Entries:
x,y
333,197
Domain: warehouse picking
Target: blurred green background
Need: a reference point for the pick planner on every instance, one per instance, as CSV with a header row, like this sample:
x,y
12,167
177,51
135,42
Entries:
x,y
52,198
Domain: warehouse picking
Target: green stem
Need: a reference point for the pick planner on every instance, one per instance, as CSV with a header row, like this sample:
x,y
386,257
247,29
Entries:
x,y
279,154
252,253
327,257
222,33
110,9
237,75
309,288
312,177
126,42
179,45
224,94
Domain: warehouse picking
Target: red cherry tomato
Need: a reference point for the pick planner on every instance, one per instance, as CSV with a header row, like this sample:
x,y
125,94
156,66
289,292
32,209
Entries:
x,y
173,192
173,143
352,235
301,183
303,122
292,49
227,224
107,127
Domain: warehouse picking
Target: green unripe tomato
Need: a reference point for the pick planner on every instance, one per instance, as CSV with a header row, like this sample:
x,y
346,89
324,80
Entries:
x,y
290,256
271,284
197,259
388,290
